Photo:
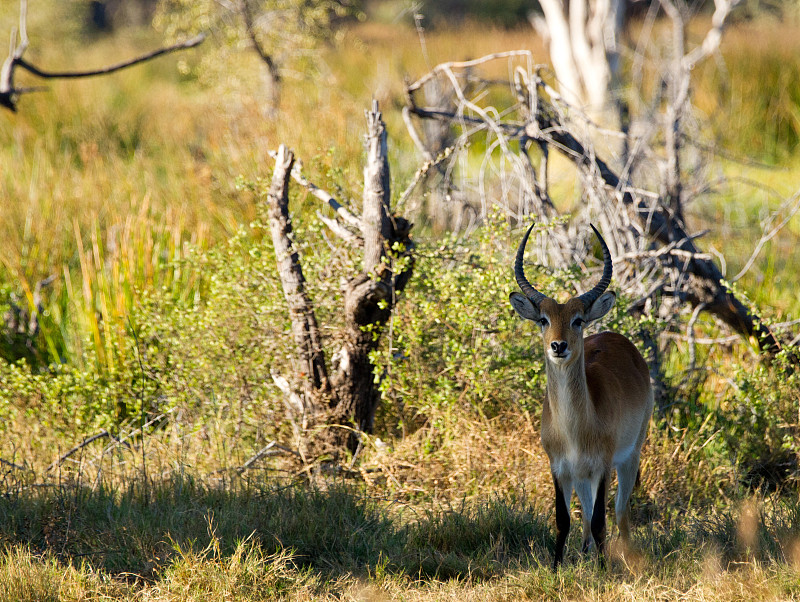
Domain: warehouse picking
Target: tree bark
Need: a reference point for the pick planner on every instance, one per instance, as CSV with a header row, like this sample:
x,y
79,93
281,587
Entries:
x,y
368,306
375,224
582,39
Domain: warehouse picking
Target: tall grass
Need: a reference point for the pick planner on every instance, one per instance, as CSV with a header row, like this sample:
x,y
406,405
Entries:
x,y
755,56
108,180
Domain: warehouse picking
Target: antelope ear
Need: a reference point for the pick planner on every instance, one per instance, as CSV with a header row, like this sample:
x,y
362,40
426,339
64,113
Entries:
x,y
601,306
523,306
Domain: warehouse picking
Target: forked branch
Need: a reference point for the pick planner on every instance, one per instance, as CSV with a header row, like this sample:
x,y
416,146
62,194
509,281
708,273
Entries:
x,y
346,225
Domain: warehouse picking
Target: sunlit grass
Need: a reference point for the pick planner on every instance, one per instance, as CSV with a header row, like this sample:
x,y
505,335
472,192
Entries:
x,y
756,56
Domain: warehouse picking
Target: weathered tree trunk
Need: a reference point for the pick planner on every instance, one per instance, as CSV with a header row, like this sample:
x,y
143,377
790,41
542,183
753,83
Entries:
x,y
375,224
351,391
370,296
353,376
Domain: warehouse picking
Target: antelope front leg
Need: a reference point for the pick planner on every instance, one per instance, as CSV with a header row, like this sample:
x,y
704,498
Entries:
x,y
599,516
562,518
627,475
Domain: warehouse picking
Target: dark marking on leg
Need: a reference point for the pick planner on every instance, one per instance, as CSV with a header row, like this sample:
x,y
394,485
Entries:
x,y
599,517
562,523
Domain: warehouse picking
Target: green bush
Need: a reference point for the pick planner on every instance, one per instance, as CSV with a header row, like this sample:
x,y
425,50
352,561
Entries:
x,y
759,419
456,341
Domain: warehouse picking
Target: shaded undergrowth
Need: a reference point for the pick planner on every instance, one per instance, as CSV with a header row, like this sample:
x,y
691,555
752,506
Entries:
x,y
179,537
338,531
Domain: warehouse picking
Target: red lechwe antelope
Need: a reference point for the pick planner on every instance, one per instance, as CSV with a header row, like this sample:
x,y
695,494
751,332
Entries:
x,y
598,403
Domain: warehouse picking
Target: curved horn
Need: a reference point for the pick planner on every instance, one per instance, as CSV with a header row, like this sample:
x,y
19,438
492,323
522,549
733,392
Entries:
x,y
519,272
591,296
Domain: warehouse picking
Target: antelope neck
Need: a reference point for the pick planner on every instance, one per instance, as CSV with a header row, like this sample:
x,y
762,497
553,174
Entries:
x,y
567,390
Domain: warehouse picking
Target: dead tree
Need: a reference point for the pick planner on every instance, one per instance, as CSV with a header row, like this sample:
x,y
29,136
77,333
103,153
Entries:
x,y
660,264
346,392
10,93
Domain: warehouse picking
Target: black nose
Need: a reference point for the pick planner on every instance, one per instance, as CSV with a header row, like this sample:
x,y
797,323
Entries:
x,y
558,347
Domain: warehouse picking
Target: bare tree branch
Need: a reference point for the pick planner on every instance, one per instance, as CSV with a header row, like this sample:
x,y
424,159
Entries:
x,y
442,67
713,37
370,297
793,205
11,465
582,41
340,231
341,211
415,138
266,57
420,174
9,93
257,456
191,43
80,446
301,310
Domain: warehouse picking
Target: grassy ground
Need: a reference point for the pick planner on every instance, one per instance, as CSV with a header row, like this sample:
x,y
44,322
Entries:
x,y
179,538
126,189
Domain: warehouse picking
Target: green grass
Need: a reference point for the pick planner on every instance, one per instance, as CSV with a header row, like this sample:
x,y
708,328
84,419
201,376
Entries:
x,y
113,178
747,121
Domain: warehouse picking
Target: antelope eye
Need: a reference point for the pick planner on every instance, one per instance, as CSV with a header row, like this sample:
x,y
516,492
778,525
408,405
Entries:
x,y
543,322
578,322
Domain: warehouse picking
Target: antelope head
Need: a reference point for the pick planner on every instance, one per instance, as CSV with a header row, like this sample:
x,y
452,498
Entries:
x,y
562,324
